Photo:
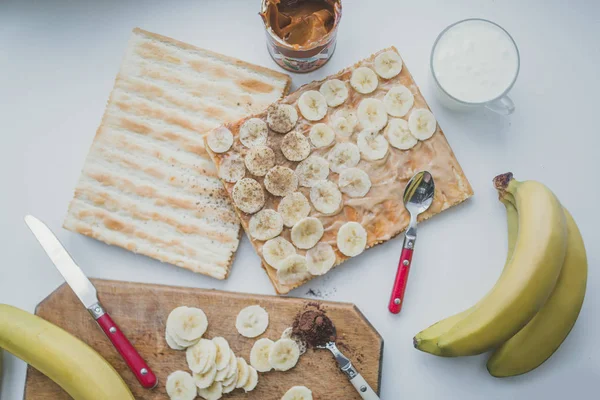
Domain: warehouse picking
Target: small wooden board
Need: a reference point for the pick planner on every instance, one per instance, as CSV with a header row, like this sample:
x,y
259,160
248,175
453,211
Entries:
x,y
141,311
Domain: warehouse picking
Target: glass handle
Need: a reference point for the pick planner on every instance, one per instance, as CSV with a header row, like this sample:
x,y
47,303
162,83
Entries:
x,y
503,106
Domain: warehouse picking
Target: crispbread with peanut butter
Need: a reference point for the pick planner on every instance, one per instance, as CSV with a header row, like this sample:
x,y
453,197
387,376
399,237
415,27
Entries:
x,y
148,184
353,140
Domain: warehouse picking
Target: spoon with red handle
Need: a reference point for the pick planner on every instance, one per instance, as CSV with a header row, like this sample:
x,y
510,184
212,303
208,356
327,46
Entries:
x,y
418,197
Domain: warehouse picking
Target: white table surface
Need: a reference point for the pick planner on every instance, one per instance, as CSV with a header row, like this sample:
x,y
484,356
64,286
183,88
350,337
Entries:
x,y
58,60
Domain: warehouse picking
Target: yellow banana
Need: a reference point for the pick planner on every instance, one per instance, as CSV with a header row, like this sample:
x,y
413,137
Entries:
x,y
69,362
529,278
542,336
427,339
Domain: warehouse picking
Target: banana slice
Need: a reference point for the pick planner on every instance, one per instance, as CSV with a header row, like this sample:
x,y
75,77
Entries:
x,y
226,372
248,195
252,321
172,343
320,259
284,355
180,386
293,208
321,135
398,134
213,392
231,369
343,127
326,197
351,239
276,250
229,384
364,80
372,145
372,114
281,181
398,101
292,270
334,91
206,379
259,160
252,380
312,105
265,224
306,233
254,132
220,140
259,355
343,155
282,117
223,350
232,168
422,123
295,146
201,356
187,325
354,182
350,116
312,170
298,393
388,64
243,373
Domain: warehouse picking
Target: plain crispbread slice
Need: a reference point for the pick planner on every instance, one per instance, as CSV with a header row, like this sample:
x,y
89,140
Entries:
x,y
148,184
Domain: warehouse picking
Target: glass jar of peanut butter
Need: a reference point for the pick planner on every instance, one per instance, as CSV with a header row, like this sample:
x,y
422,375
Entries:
x,y
301,34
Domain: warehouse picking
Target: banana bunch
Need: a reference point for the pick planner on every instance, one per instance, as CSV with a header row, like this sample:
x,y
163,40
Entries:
x,y
530,311
69,362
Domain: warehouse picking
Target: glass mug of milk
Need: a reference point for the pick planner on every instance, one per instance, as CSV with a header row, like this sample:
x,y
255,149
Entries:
x,y
474,63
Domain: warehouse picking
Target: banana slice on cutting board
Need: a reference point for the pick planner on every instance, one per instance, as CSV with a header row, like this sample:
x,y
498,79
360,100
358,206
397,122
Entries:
x,y
312,170
213,392
284,355
398,101
295,146
354,182
372,114
343,155
232,168
282,117
364,80
334,91
281,181
398,134
312,105
321,135
351,239
186,325
388,64
252,321
248,195
276,250
243,373
343,127
298,393
259,160
265,224
229,369
422,123
201,356
372,145
252,380
207,378
320,259
326,197
223,350
259,355
254,132
292,270
293,208
172,343
220,140
180,386
306,233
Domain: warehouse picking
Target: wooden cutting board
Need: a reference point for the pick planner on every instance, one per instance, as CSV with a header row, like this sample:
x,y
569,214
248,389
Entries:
x,y
142,309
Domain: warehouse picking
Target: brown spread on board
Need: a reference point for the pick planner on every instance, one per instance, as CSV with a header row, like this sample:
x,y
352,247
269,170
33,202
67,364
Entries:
x,y
301,23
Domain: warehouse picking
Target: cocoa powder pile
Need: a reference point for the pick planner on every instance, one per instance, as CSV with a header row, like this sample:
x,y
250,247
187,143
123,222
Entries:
x,y
313,327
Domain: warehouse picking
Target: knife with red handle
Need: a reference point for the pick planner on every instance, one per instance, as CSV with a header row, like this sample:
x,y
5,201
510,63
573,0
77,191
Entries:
x,y
86,292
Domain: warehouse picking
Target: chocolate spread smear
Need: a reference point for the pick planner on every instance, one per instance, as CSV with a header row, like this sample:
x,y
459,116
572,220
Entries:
x,y
313,327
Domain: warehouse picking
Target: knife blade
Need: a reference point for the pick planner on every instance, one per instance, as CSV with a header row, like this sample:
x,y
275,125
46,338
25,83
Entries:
x,y
87,294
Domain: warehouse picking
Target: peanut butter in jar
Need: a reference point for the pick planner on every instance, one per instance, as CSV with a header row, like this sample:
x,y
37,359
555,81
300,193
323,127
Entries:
x,y
301,34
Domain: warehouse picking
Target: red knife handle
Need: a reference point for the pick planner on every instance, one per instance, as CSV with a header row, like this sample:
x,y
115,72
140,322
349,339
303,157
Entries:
x,y
136,363
397,298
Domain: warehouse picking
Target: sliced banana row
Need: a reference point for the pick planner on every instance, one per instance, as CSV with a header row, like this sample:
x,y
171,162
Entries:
x,y
281,355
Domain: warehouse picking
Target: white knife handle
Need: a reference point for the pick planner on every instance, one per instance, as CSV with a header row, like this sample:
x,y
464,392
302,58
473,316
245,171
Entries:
x,y
363,388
